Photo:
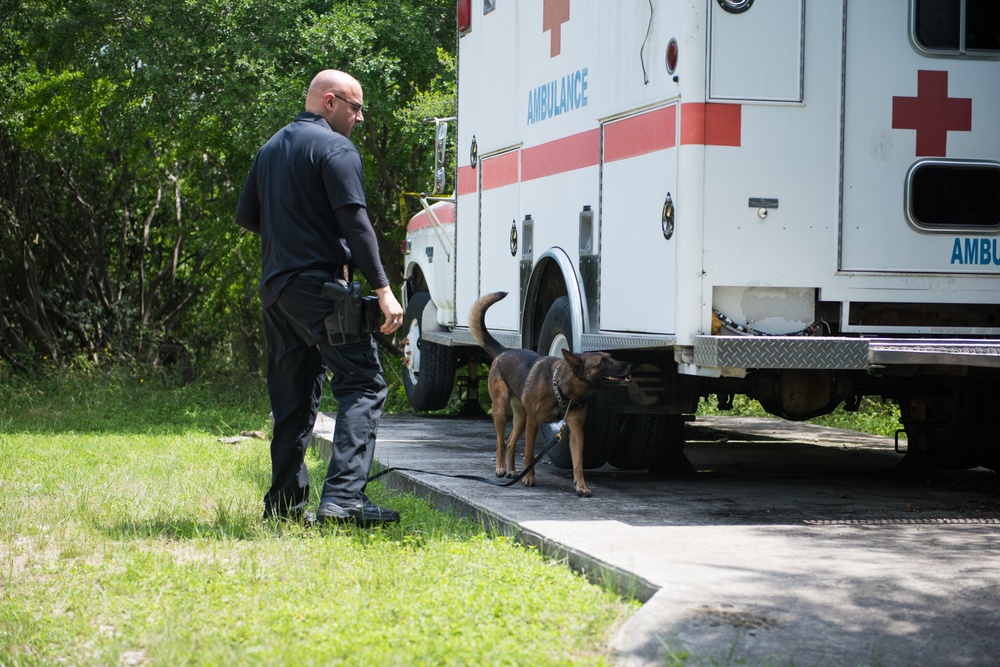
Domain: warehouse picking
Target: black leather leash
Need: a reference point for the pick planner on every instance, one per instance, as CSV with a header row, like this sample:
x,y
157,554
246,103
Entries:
x,y
489,480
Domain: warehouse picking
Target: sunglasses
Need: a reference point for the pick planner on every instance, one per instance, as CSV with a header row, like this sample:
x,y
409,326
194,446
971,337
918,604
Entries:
x,y
354,105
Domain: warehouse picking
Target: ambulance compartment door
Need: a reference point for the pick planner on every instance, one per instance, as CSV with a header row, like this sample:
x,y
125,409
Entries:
x,y
637,246
499,231
756,50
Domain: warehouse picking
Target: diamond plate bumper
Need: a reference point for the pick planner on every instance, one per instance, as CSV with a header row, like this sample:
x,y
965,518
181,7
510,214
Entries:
x,y
984,353
840,353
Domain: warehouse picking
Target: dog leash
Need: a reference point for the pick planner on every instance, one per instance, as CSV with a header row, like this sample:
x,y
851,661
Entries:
x,y
477,478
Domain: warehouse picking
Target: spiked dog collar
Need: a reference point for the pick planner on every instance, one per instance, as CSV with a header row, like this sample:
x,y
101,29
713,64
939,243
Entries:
x,y
561,398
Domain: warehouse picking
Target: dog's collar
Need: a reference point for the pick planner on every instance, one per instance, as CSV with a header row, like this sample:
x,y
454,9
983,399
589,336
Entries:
x,y
561,398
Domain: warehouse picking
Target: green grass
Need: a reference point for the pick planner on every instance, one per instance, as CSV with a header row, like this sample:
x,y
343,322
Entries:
x,y
872,416
129,535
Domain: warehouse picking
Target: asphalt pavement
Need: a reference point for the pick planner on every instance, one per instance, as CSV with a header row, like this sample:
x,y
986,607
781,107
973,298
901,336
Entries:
x,y
793,544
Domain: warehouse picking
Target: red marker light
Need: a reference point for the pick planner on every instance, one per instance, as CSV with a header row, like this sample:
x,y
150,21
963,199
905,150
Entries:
x,y
464,15
671,56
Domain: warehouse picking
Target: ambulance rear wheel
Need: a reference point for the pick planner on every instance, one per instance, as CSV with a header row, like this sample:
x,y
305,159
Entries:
x,y
428,368
654,442
603,426
948,431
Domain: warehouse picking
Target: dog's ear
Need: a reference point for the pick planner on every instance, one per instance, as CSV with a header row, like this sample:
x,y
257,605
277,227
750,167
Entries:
x,y
574,360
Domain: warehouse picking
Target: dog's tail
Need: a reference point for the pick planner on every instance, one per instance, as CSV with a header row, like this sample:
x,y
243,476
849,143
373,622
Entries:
x,y
477,323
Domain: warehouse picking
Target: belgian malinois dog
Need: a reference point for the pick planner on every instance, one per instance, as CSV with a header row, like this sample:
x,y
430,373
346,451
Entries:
x,y
539,390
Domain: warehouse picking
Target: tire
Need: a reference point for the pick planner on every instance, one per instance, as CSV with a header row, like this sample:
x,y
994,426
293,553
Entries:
x,y
953,427
603,426
428,368
557,329
649,442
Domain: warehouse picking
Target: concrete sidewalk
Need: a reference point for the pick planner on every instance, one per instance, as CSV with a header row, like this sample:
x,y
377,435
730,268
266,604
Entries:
x,y
792,544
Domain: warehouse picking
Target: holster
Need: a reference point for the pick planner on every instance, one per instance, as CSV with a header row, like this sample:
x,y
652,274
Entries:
x,y
354,317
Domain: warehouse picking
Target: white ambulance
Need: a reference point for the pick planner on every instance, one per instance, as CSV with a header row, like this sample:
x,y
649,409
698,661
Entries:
x,y
795,200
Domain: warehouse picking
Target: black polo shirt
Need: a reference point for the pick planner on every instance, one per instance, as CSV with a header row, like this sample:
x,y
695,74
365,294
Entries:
x,y
298,181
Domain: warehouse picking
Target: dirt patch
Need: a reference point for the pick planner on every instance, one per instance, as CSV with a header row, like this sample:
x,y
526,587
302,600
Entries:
x,y
741,620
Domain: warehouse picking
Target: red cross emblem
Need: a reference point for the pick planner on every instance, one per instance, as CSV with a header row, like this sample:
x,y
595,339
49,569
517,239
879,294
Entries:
x,y
554,14
932,113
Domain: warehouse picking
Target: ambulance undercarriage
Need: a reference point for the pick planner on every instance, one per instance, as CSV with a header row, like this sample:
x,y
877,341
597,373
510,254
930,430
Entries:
x,y
794,200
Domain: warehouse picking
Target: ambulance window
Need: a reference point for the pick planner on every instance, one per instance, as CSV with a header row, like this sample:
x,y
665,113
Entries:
x,y
983,21
938,24
956,27
952,196
489,6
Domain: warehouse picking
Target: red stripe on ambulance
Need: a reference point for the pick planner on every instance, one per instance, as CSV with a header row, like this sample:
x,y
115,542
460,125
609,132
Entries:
x,y
701,124
641,134
499,170
444,210
711,124
556,157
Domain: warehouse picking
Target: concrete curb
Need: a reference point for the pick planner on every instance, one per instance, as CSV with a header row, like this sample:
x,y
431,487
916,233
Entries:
x,y
626,584
793,543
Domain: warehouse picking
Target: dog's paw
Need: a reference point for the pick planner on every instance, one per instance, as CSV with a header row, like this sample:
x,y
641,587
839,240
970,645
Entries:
x,y
583,492
529,479
501,472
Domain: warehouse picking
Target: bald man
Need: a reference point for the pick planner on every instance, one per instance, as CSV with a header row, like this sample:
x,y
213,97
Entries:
x,y
305,197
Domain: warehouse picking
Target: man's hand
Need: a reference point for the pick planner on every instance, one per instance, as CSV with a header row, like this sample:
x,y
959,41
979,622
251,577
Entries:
x,y
390,308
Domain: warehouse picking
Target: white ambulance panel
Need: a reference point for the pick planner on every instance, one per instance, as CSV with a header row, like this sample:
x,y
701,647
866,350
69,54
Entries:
x,y
910,110
637,252
757,54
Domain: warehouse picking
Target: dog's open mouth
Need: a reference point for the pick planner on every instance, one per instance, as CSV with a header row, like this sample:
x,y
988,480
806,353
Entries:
x,y
618,379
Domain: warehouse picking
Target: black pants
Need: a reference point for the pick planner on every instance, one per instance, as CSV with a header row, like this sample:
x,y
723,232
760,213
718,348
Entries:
x,y
298,357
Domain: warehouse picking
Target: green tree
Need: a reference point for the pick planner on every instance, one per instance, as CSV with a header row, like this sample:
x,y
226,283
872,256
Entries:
x,y
126,131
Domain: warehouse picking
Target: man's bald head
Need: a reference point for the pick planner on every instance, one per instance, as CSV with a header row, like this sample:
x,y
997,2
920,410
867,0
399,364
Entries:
x,y
333,95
